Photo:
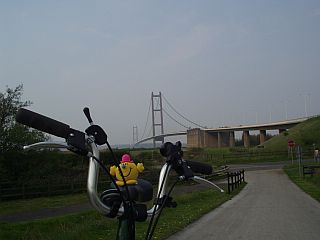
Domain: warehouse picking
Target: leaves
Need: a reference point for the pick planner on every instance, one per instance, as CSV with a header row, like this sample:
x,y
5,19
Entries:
x,y
13,135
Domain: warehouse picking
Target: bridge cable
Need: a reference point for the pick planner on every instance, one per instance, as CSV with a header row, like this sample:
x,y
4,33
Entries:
x,y
181,114
149,133
174,119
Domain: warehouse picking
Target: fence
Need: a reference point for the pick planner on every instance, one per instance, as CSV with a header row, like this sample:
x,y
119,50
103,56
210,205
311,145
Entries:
x,y
11,190
218,174
23,190
234,180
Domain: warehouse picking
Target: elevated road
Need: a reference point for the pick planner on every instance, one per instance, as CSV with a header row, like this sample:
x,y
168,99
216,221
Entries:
x,y
213,137
265,126
225,136
162,136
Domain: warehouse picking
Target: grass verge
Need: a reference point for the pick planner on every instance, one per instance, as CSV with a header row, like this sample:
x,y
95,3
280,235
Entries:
x,y
15,206
309,184
91,225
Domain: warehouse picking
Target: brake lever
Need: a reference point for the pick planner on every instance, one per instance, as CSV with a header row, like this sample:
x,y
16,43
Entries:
x,y
55,145
202,180
186,170
40,145
100,136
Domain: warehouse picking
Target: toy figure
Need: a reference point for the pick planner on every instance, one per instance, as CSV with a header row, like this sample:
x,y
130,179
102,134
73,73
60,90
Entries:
x,y
129,169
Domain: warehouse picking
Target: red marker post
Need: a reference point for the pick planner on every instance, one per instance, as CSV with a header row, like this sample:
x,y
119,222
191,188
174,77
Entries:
x,y
291,145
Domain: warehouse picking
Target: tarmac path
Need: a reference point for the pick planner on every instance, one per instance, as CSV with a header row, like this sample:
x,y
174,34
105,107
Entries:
x,y
269,207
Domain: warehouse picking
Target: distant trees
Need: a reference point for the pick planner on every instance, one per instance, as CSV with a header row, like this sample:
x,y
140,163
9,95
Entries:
x,y
13,135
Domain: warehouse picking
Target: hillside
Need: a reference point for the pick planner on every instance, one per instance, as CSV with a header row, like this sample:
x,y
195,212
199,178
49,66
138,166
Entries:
x,y
304,134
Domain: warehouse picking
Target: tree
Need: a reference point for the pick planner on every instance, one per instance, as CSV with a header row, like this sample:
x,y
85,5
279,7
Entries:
x,y
13,135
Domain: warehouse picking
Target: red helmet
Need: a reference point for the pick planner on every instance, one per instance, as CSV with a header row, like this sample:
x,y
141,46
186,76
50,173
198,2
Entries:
x,y
126,158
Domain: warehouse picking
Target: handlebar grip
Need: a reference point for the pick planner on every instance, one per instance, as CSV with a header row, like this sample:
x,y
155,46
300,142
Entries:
x,y
198,167
42,123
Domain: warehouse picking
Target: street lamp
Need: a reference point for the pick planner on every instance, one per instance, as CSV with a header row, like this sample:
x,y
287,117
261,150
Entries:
x,y
306,96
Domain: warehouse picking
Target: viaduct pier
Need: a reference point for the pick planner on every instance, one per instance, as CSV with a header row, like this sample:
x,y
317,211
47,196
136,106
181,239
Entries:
x,y
225,136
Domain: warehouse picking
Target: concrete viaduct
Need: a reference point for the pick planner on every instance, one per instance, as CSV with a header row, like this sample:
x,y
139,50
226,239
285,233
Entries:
x,y
225,136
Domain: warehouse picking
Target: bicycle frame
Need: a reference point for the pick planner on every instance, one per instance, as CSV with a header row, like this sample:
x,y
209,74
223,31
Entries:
x,y
125,224
126,211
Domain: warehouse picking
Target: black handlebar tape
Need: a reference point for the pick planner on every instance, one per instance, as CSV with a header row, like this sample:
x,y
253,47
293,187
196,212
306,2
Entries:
x,y
42,123
198,167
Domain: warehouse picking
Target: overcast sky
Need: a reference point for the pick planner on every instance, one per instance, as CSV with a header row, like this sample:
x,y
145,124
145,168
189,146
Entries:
x,y
217,62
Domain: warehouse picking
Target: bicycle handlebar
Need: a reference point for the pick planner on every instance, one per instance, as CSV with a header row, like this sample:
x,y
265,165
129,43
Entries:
x,y
96,136
42,123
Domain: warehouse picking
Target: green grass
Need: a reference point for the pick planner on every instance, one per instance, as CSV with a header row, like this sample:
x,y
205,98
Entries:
x,y
91,225
225,156
10,207
304,134
310,185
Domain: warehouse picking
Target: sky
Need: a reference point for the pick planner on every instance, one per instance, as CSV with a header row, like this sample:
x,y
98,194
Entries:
x,y
219,63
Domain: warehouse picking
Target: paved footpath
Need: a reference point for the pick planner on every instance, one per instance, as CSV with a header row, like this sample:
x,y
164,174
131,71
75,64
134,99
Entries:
x,y
270,207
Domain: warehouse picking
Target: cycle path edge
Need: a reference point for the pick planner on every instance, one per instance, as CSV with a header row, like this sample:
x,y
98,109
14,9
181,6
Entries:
x,y
269,207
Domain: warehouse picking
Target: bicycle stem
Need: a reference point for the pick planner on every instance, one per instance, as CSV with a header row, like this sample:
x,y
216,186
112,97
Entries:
x,y
92,182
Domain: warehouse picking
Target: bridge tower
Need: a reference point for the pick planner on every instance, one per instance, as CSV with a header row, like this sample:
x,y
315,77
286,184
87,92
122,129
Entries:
x,y
157,117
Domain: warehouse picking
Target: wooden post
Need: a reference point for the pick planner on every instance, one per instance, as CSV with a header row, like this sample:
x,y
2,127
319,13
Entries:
x,y
228,182
238,182
232,181
243,175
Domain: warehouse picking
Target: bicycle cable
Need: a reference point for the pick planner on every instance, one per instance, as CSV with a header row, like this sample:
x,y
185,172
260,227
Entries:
x,y
161,208
157,199
105,170
120,193
125,185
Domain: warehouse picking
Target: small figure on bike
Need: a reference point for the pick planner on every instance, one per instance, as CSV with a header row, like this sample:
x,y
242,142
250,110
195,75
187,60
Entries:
x,y
129,170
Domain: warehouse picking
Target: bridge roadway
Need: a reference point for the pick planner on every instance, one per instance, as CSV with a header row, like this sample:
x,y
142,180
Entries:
x,y
224,136
162,136
269,207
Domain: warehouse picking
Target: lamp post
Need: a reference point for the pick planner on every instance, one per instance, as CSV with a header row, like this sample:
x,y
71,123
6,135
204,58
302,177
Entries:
x,y
305,106
286,109
285,104
306,96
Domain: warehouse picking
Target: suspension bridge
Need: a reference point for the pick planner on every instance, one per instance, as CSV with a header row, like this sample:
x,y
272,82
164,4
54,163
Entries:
x,y
157,110
197,135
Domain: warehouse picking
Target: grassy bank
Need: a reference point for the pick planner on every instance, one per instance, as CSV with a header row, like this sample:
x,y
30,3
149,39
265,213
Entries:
x,y
226,156
304,134
310,185
91,225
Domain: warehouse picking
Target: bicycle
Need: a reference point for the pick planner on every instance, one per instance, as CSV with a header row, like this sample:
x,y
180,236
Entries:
x,y
127,203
